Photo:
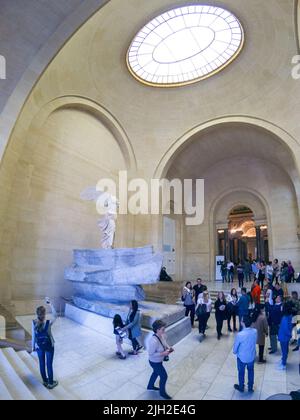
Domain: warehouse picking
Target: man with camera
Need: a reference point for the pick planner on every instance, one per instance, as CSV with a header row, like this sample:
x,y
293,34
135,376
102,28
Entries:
x,y
159,352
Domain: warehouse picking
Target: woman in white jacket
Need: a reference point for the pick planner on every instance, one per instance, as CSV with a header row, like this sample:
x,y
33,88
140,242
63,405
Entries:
x,y
203,310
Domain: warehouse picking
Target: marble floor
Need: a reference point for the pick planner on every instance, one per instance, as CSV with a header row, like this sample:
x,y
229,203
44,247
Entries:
x,y
85,363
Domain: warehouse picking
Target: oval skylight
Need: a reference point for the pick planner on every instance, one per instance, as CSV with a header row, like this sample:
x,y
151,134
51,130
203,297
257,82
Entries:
x,y
185,45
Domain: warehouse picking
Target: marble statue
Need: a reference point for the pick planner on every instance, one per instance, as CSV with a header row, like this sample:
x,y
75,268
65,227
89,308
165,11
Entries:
x,y
107,205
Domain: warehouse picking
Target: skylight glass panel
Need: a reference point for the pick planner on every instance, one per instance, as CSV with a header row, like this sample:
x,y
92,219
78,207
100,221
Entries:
x,y
185,45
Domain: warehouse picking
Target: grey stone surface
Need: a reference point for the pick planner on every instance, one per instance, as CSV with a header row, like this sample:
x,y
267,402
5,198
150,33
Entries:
x,y
112,258
151,311
102,324
108,293
133,266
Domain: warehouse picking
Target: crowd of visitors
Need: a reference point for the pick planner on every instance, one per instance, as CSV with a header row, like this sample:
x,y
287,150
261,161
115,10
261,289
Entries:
x,y
266,310
247,271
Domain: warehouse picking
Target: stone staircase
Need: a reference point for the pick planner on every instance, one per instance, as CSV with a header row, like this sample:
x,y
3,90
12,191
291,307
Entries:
x,y
20,379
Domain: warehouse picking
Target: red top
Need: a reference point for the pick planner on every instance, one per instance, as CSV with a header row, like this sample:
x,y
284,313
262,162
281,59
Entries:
x,y
256,294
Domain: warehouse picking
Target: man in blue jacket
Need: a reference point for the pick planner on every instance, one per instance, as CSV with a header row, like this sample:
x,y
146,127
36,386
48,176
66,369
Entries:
x,y
285,333
274,319
243,306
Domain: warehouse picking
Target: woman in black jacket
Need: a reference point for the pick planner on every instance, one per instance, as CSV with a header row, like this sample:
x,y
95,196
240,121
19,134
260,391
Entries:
x,y
220,312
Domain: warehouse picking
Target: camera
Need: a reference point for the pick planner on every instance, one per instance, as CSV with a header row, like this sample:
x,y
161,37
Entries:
x,y
166,358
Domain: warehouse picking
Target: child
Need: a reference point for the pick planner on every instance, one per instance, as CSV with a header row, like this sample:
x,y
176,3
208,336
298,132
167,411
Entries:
x,y
118,325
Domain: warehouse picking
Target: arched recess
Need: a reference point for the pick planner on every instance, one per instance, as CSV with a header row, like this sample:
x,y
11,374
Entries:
x,y
231,198
101,113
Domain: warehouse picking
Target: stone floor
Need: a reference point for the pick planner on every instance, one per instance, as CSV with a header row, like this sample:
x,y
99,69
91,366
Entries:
x,y
86,365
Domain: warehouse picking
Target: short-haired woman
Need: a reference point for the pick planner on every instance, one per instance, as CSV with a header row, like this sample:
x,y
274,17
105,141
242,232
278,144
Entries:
x,y
159,351
133,326
43,343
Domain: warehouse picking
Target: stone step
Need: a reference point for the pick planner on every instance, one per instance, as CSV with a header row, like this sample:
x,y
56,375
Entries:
x,y
59,392
4,393
15,386
29,379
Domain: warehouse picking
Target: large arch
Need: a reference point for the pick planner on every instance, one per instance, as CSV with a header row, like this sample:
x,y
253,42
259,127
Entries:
x,y
197,155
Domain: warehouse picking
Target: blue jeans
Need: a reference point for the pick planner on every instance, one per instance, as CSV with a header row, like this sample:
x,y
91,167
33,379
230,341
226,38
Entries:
x,y
158,371
241,369
43,356
285,351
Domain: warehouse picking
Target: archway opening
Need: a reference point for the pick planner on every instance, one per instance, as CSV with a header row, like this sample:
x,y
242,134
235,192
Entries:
x,y
243,239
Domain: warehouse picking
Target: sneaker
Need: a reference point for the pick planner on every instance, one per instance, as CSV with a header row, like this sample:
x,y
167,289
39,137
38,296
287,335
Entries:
x,y
250,390
262,361
45,384
296,348
237,387
281,367
118,353
140,348
53,385
154,388
122,356
272,352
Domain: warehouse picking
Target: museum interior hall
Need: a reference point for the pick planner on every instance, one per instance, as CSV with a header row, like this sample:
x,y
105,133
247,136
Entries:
x,y
149,200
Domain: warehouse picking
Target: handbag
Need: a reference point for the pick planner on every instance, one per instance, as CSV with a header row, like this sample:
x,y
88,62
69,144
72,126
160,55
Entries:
x,y
201,310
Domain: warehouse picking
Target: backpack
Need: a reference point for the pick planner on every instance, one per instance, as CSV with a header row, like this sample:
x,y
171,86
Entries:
x,y
42,338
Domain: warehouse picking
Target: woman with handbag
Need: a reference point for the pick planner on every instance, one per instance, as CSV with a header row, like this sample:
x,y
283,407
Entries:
x,y
203,310
133,327
188,301
221,312
159,351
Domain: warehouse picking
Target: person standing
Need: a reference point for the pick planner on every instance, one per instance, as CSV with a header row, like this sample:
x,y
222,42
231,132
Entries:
x,y
220,312
230,271
261,326
198,289
254,269
296,312
243,306
291,273
240,272
285,334
274,320
133,327
247,271
256,292
118,325
269,272
159,352
203,310
245,350
224,271
232,309
261,273
276,270
43,343
188,301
